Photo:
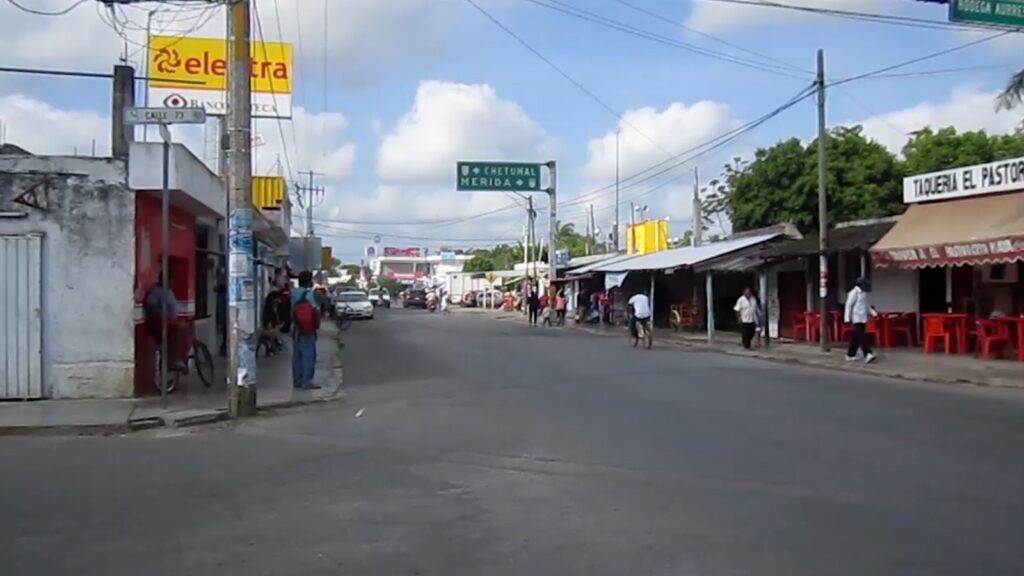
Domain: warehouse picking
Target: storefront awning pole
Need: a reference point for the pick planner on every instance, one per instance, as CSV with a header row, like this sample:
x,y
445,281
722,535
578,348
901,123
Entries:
x,y
709,289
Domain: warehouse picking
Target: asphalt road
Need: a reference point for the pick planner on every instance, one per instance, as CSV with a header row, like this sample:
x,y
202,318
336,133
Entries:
x,y
487,447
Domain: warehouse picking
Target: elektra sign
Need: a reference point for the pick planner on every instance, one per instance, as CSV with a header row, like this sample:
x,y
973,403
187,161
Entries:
x,y
991,178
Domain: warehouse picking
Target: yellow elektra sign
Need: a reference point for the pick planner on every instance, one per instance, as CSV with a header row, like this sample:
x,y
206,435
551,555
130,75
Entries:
x,y
201,64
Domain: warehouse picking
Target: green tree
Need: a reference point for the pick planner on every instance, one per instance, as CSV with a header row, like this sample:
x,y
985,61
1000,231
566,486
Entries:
x,y
930,150
781,184
501,257
568,238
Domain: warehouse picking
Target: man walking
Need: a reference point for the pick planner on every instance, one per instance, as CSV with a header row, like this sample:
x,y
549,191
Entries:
x,y
533,304
746,311
856,313
305,323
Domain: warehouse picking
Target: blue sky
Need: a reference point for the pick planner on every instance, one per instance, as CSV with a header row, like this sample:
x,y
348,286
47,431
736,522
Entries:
x,y
413,85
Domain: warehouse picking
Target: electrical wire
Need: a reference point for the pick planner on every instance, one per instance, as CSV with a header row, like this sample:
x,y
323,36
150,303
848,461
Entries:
x,y
38,12
712,37
589,93
681,158
273,93
919,59
582,14
873,17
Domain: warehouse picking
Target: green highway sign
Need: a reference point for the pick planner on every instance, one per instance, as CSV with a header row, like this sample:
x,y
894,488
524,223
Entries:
x,y
990,12
497,176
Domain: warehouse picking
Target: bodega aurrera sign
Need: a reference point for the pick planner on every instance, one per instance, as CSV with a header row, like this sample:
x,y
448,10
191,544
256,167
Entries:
x,y
991,178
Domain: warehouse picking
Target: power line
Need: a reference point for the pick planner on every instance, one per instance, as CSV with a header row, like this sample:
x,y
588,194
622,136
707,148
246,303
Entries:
x,y
715,143
920,59
582,14
873,17
565,74
712,37
38,12
273,92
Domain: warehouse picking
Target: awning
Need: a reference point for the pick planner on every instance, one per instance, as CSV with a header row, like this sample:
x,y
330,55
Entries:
x,y
979,230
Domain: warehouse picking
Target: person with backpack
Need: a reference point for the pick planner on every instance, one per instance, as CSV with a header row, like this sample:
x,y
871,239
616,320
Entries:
x,y
305,323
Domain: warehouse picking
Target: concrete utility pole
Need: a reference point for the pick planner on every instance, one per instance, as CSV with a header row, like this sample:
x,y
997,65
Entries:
x,y
241,273
553,231
615,229
822,207
698,218
308,198
592,238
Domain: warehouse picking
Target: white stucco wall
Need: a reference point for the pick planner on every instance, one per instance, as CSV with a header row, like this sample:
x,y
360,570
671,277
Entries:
x,y
187,173
88,261
894,290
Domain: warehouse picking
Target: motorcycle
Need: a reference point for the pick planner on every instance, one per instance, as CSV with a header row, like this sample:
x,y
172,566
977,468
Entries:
x,y
432,303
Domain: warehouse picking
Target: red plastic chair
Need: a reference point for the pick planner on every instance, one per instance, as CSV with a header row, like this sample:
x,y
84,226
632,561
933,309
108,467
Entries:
x,y
798,321
902,325
935,330
870,329
993,337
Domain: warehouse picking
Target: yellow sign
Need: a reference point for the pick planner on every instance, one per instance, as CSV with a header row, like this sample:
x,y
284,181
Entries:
x,y
201,64
326,258
647,237
491,278
267,191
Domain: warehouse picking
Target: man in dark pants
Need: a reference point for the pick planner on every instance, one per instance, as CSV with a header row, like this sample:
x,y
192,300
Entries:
x,y
533,303
746,310
856,312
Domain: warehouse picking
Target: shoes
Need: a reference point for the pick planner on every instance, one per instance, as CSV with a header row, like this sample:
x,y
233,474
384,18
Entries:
x,y
869,358
851,358
312,387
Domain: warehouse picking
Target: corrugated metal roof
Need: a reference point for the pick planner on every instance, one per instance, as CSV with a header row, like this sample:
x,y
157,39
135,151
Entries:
x,y
595,267
580,261
680,257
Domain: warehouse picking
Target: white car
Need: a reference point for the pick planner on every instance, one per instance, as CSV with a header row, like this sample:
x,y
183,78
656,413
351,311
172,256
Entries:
x,y
353,304
380,297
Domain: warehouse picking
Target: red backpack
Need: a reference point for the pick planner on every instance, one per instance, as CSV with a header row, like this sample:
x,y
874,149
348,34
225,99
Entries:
x,y
306,316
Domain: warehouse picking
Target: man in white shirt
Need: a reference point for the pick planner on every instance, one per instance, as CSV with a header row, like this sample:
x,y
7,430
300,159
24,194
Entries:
x,y
746,311
640,305
856,313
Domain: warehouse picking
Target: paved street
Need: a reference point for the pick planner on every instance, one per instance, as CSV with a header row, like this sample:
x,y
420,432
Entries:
x,y
489,447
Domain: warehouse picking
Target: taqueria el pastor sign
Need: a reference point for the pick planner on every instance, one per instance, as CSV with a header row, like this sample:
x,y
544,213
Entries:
x,y
991,178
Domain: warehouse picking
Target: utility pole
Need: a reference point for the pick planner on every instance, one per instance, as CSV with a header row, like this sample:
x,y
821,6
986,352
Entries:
x,y
615,230
241,273
531,240
308,198
631,232
698,217
587,226
552,231
592,239
822,208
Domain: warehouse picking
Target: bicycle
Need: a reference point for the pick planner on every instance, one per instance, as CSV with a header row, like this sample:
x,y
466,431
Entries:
x,y
198,359
643,331
343,317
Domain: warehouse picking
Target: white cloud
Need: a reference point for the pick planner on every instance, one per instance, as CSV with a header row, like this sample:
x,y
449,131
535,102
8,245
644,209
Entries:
x,y
316,140
42,129
967,108
721,16
450,122
648,136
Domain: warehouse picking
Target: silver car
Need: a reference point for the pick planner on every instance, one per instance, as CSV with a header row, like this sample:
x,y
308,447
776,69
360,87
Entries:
x,y
353,304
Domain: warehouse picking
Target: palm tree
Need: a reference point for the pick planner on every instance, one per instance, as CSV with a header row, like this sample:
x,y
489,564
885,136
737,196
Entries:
x,y
1013,94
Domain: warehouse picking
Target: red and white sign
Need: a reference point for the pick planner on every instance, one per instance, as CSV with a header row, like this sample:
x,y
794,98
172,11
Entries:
x,y
406,252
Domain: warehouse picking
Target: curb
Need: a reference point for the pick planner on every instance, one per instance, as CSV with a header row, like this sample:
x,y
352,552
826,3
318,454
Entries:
x,y
850,368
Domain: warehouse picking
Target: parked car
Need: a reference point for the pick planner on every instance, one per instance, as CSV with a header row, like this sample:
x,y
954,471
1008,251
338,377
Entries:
x,y
415,298
354,304
468,300
380,297
488,298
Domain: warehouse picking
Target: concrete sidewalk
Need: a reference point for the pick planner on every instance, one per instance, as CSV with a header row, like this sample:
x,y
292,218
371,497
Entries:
x,y
189,405
903,363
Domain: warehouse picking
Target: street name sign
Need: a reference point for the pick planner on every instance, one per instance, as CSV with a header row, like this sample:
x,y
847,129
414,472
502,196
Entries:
x,y
497,176
1008,13
164,115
